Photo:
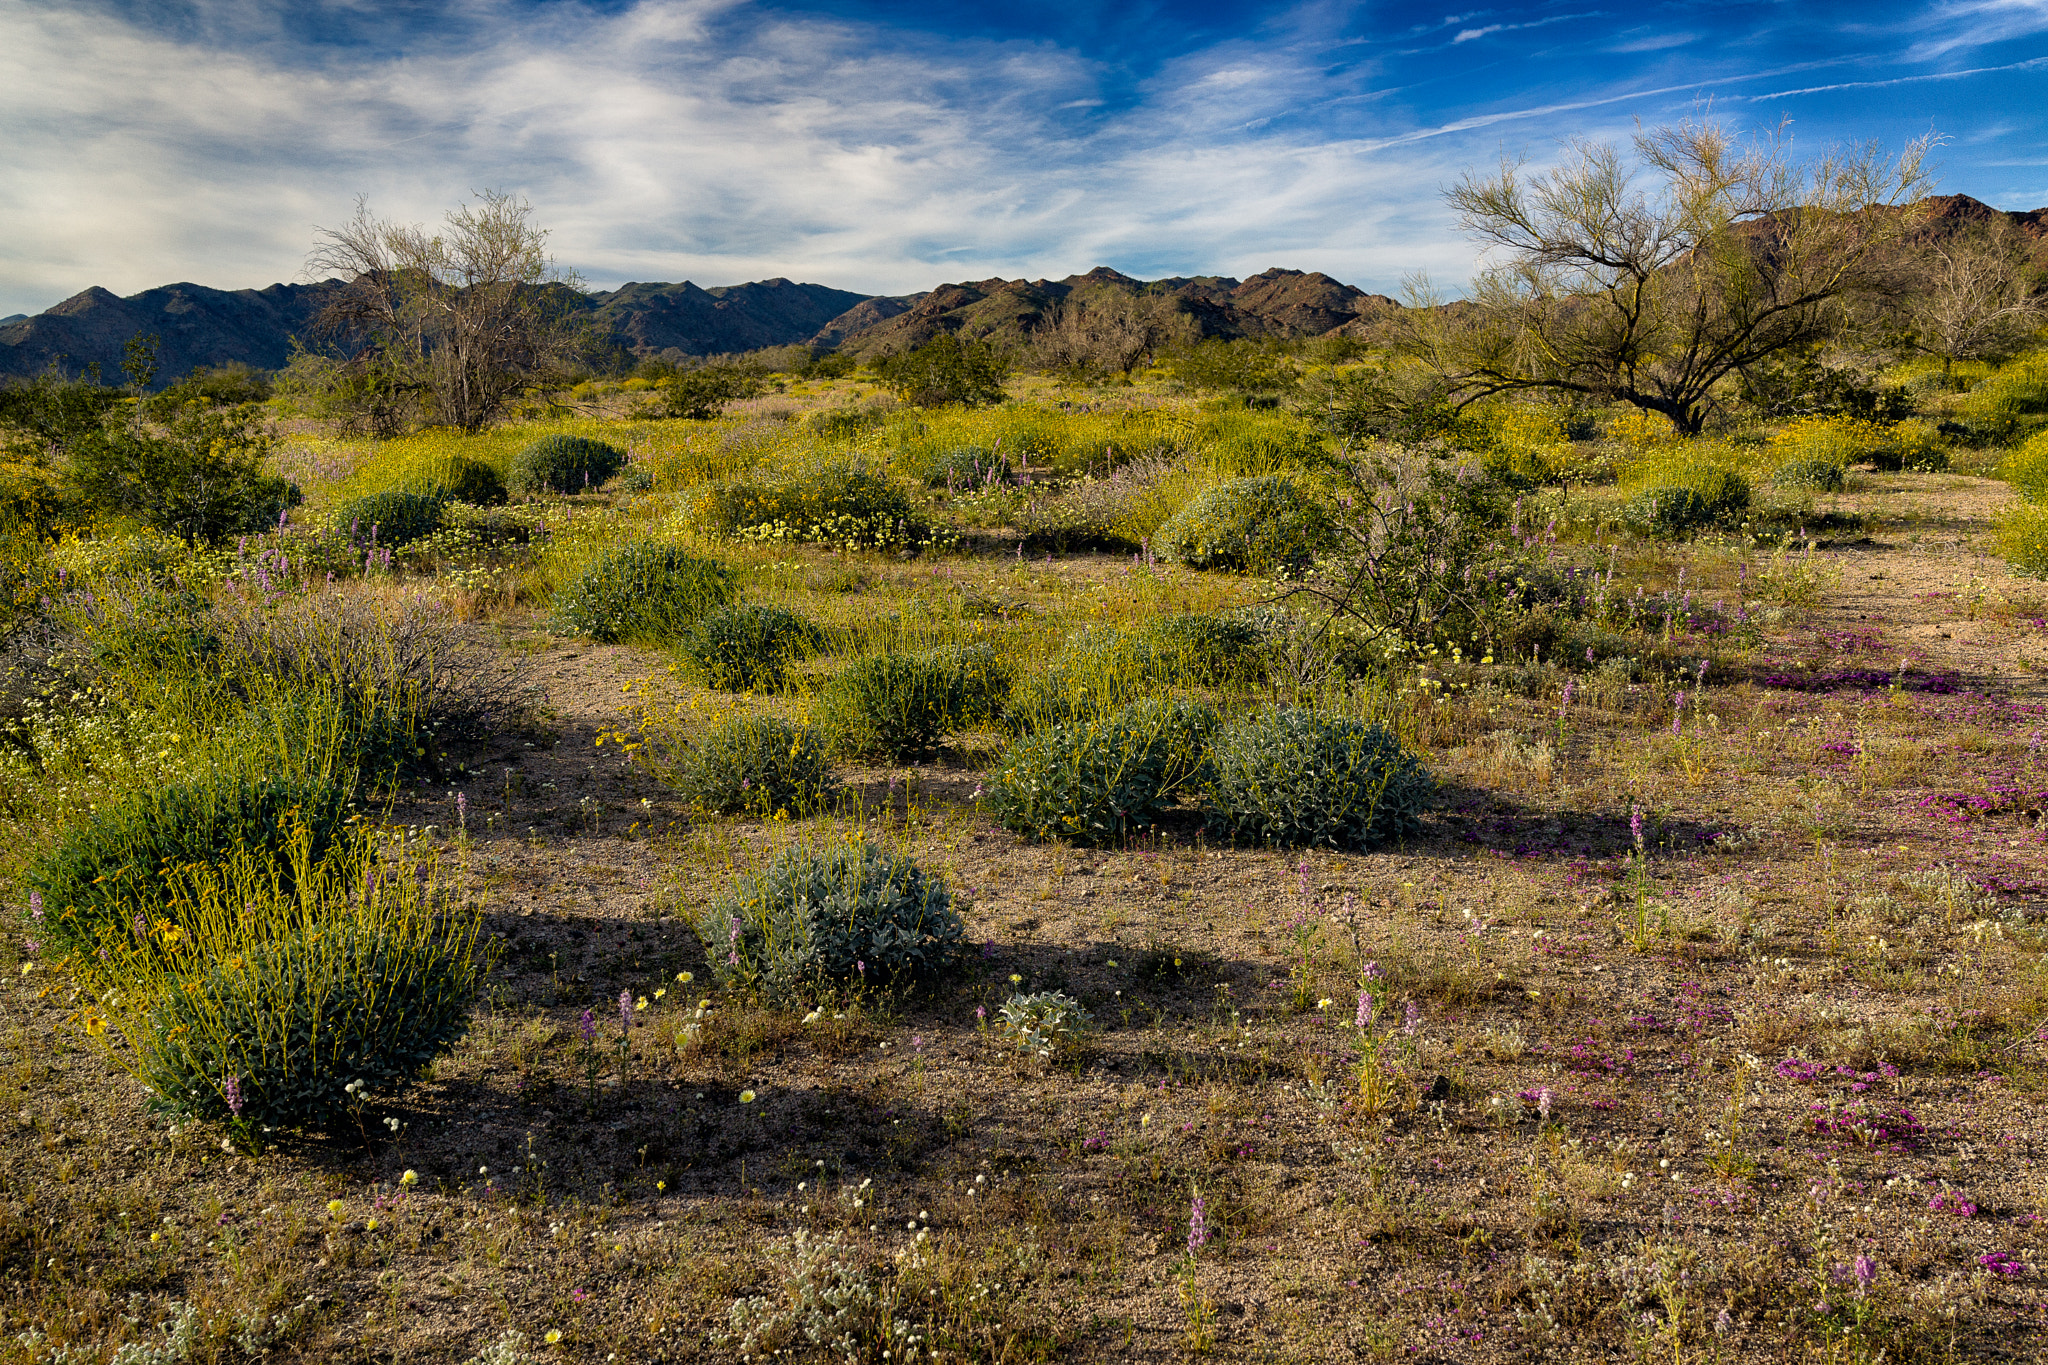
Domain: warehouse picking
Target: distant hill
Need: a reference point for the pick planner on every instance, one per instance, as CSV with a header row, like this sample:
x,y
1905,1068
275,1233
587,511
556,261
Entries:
x,y
202,326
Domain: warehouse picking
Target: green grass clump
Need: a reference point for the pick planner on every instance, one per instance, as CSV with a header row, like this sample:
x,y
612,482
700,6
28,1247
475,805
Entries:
x,y
642,591
749,648
962,467
390,519
563,464
1209,651
288,1001
467,480
1300,777
1266,524
1669,511
117,864
901,705
1094,781
756,765
847,916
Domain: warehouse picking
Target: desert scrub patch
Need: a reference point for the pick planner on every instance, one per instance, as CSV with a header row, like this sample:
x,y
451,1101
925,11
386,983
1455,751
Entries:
x,y
902,705
836,502
268,1007
2026,468
1266,524
388,519
1104,668
755,765
2021,534
1300,777
1206,650
563,464
1808,476
642,591
119,863
844,917
1096,780
749,648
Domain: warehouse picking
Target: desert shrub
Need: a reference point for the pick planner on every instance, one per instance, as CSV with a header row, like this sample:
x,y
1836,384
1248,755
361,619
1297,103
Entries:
x,y
700,394
901,705
1266,524
642,591
814,920
1098,672
390,519
946,370
412,673
756,765
120,858
1808,475
289,1008
2026,469
1050,1025
201,478
749,648
2021,534
466,480
1206,650
638,478
1710,494
839,502
563,464
1294,776
1095,780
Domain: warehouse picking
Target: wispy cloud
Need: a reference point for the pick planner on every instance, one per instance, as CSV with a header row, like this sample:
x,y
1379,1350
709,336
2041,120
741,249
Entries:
x,y
722,140
2029,64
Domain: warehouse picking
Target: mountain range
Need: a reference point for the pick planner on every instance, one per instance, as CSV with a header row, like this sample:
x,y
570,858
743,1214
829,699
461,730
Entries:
x,y
196,325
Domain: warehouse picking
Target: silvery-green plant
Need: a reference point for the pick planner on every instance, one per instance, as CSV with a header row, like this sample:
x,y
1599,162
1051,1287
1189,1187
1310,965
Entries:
x,y
1049,1024
845,916
756,765
1300,777
826,1307
642,591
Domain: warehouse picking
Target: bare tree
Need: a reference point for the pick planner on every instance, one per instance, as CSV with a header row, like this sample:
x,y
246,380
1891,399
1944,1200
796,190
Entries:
x,y
1108,335
1975,296
1653,297
457,321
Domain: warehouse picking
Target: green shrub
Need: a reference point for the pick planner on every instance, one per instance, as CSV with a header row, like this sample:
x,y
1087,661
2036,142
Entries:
x,y
756,765
700,394
1095,780
638,478
817,920
2026,469
1266,524
121,856
642,591
389,519
468,480
900,705
563,464
200,478
1205,650
946,370
749,648
1814,476
842,502
2010,402
1293,776
291,1008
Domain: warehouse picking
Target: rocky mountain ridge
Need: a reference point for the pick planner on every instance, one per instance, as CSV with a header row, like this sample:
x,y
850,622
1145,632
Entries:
x,y
197,325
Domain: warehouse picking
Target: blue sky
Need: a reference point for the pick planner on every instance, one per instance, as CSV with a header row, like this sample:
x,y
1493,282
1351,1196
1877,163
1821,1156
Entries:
x,y
884,146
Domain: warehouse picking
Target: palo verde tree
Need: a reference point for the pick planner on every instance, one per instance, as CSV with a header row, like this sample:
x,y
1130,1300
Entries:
x,y
449,325
1975,296
1653,295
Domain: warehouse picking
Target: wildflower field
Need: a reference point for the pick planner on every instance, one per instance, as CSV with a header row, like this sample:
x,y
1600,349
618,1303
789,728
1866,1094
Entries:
x,y
1109,876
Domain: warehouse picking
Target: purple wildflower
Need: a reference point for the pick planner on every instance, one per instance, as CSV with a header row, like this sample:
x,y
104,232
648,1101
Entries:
x,y
231,1090
1198,1226
2003,1263
625,1011
1412,1020
35,905
1543,1103
1635,826
588,1025
1365,1009
1865,1271
1371,970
